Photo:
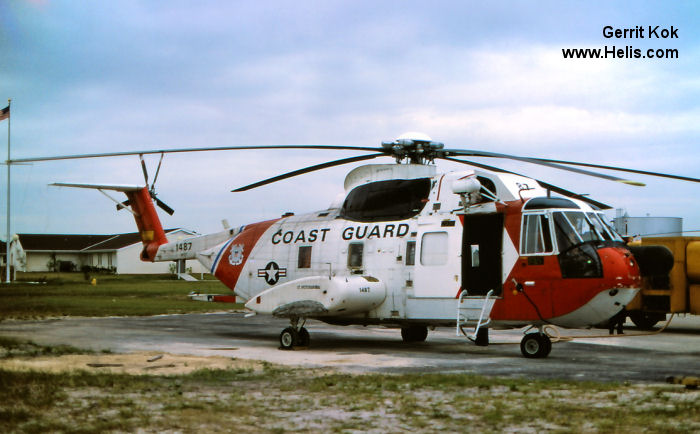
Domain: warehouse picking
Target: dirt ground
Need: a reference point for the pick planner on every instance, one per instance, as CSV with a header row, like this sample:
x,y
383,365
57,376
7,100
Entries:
x,y
259,396
138,363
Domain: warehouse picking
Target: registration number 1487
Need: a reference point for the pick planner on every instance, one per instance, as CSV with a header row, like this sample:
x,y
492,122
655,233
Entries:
x,y
183,247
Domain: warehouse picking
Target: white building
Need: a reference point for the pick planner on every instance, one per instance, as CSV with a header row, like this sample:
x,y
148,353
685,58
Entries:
x,y
119,253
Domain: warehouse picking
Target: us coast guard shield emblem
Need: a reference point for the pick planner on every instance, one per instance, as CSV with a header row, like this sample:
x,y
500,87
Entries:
x,y
236,256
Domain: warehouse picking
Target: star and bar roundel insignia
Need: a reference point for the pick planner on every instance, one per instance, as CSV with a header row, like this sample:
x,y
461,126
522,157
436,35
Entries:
x,y
272,273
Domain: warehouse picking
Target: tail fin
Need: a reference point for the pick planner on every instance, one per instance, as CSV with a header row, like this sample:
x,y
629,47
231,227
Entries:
x,y
147,221
152,233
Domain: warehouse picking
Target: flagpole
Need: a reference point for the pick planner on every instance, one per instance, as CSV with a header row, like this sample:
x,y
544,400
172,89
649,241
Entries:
x,y
7,240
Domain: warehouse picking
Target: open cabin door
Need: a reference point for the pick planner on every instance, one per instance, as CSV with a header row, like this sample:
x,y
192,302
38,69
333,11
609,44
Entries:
x,y
482,245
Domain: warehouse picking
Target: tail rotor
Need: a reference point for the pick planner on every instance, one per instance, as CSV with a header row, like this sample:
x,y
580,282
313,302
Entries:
x,y
151,188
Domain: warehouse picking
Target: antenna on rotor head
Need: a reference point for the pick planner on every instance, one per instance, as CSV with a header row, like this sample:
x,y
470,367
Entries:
x,y
418,148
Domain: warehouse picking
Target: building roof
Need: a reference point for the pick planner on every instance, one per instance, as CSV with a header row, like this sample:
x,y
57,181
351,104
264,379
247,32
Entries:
x,y
116,242
81,242
59,241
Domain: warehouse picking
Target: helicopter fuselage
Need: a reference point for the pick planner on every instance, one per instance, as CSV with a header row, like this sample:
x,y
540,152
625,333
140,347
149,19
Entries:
x,y
401,250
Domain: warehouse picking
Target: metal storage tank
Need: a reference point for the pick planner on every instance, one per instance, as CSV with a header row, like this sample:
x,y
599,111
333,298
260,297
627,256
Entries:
x,y
648,226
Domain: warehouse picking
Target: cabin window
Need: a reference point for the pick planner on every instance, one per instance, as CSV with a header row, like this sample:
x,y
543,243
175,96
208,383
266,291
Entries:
x,y
411,253
474,255
355,255
395,199
304,260
433,250
536,237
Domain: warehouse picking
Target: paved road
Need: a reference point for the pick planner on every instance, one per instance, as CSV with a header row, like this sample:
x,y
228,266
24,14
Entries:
x,y
649,358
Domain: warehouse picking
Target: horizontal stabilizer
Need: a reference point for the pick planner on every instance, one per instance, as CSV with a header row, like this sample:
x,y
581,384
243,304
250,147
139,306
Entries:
x,y
99,186
140,203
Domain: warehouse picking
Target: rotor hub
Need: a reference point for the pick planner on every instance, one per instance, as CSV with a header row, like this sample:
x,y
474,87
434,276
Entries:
x,y
417,148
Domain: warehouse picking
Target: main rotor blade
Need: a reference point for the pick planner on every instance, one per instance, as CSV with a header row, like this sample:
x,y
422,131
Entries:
x,y
571,194
546,185
470,153
621,169
176,150
308,169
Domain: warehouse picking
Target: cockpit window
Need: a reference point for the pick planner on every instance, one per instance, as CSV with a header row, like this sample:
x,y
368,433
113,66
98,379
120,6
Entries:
x,y
536,235
583,226
565,231
599,219
395,199
599,226
573,227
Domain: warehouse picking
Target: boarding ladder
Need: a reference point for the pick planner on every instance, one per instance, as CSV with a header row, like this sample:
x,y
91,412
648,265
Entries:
x,y
473,310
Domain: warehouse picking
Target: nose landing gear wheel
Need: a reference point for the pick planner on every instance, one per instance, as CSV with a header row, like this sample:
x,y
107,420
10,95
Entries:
x,y
535,345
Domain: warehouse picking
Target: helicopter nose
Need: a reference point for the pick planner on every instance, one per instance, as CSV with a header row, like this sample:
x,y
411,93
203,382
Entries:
x,y
620,268
653,260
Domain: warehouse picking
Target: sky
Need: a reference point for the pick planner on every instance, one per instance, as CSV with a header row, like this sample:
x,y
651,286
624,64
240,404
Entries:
x,y
88,77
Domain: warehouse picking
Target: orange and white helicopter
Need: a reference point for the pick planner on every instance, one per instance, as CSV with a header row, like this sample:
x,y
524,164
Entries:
x,y
411,248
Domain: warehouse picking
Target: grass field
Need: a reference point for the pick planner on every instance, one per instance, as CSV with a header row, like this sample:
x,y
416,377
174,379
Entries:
x,y
41,295
269,398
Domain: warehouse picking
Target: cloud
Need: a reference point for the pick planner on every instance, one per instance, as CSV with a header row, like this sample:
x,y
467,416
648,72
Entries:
x,y
131,75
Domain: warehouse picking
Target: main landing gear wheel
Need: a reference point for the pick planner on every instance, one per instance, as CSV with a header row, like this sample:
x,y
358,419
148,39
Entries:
x,y
290,338
414,333
482,337
304,337
535,345
295,335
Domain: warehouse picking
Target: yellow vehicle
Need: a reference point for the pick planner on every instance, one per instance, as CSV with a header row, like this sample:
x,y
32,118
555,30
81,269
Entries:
x,y
671,285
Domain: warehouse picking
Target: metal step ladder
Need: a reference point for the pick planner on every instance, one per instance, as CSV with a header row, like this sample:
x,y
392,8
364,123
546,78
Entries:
x,y
473,310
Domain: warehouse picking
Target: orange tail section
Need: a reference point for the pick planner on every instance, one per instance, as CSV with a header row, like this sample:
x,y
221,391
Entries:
x,y
147,221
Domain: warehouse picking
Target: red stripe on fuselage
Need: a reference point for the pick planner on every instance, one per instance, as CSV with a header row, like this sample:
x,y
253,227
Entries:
x,y
440,187
513,214
228,274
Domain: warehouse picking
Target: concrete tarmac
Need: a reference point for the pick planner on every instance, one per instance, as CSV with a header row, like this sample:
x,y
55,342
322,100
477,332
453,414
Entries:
x,y
634,357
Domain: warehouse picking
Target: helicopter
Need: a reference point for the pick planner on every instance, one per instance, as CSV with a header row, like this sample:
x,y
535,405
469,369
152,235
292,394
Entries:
x,y
411,248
